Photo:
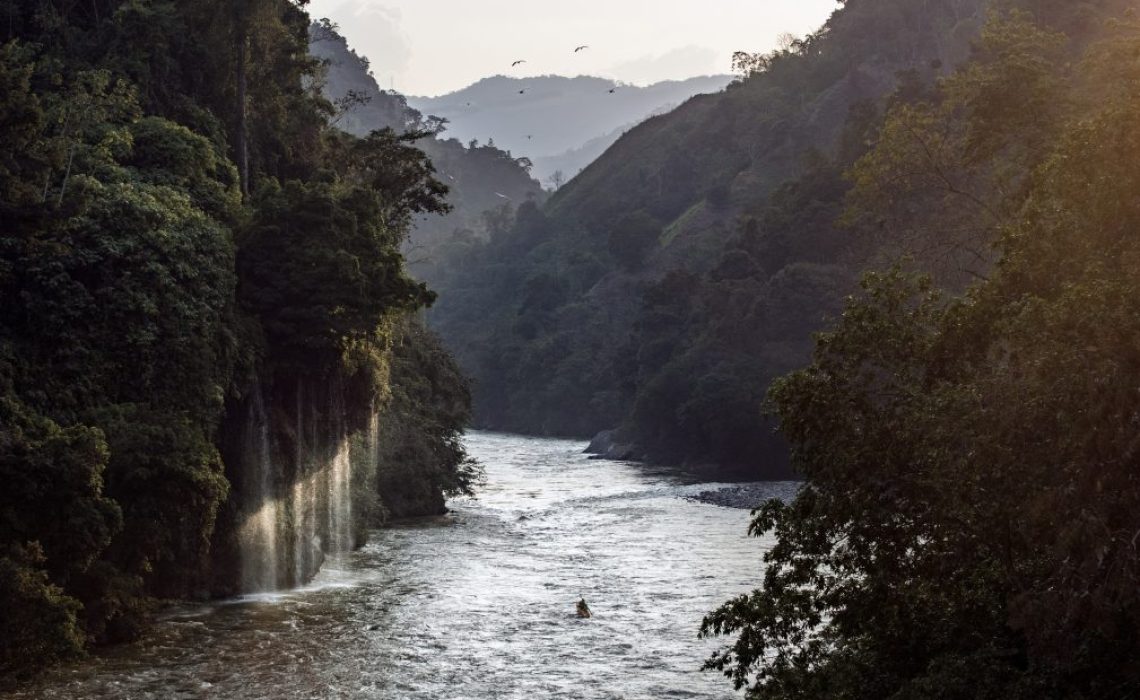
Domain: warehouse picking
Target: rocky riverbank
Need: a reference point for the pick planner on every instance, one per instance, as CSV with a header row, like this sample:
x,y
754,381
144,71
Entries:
x,y
746,496
609,445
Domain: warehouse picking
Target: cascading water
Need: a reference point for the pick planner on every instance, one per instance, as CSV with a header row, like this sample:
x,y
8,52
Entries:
x,y
340,483
340,500
298,486
306,548
258,533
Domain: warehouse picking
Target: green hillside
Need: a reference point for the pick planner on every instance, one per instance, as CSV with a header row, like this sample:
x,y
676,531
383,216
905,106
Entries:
x,y
667,284
664,288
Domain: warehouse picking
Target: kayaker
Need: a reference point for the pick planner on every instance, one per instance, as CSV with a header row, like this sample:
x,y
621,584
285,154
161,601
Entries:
x,y
583,609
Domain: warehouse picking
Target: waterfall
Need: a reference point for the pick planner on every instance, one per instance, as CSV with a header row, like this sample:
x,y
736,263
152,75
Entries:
x,y
340,500
302,478
257,537
340,482
306,545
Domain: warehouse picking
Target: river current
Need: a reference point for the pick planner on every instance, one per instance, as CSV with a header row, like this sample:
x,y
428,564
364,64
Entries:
x,y
477,604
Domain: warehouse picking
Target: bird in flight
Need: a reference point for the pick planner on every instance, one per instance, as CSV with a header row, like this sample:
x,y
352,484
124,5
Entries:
x,y
613,90
522,92
581,48
517,63
497,194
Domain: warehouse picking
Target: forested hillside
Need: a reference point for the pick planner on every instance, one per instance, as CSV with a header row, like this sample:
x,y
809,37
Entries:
x,y
481,179
667,285
969,523
204,318
664,289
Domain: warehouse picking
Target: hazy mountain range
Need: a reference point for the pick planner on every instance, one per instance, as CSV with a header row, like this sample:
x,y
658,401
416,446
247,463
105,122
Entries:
x,y
559,123
479,178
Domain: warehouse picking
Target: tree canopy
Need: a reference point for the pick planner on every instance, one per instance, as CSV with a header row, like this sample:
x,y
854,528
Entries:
x,y
181,223
968,524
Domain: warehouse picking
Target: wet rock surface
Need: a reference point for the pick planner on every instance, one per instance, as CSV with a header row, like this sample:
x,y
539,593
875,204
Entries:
x,y
746,496
607,445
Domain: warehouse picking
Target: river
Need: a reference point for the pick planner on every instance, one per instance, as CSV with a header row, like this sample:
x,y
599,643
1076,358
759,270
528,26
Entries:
x,y
478,604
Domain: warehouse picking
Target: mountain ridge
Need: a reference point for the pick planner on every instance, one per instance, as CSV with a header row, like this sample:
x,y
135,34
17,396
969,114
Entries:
x,y
555,114
665,286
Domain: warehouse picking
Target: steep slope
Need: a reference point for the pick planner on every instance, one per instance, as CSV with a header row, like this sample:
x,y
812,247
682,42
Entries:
x,y
971,505
555,171
204,319
555,114
666,285
480,179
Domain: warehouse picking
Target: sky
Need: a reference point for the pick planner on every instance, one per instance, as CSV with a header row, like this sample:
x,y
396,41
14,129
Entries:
x,y
432,47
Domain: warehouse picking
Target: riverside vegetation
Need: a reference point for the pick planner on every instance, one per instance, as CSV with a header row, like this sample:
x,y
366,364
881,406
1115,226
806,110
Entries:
x,y
181,280
966,425
969,523
662,290
194,260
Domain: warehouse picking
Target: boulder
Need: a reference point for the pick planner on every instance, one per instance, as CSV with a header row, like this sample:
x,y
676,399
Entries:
x,y
602,443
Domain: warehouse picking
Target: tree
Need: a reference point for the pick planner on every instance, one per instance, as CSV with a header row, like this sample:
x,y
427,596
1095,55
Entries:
x,y
556,180
142,293
966,525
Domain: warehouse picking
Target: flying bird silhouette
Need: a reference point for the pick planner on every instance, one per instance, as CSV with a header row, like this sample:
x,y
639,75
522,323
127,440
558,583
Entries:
x,y
516,63
613,90
522,92
581,48
501,195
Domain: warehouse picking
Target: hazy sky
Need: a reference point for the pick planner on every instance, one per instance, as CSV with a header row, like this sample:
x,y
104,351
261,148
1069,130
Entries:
x,y
430,47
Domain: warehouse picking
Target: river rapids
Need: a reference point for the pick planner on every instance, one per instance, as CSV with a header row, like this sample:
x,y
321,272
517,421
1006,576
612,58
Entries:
x,y
477,604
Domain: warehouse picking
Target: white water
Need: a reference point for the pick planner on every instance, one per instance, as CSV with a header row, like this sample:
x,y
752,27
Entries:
x,y
258,532
298,511
476,605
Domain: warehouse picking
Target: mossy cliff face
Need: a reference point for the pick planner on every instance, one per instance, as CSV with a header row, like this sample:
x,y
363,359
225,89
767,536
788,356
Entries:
x,y
300,453
200,282
316,461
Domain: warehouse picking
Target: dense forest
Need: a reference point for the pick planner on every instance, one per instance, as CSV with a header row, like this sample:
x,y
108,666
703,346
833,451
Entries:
x,y
969,523
666,287
208,339
482,179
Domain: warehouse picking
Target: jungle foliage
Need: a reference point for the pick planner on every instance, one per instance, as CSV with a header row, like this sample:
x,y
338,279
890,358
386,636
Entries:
x,y
422,460
663,289
968,526
178,221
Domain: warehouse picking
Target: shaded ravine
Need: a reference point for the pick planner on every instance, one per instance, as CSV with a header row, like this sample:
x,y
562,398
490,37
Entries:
x,y
476,604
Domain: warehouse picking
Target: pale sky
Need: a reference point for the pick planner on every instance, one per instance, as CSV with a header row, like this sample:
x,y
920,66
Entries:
x,y
431,47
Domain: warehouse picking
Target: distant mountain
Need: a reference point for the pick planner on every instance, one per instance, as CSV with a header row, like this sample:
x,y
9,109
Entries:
x,y
570,163
663,289
482,179
557,121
